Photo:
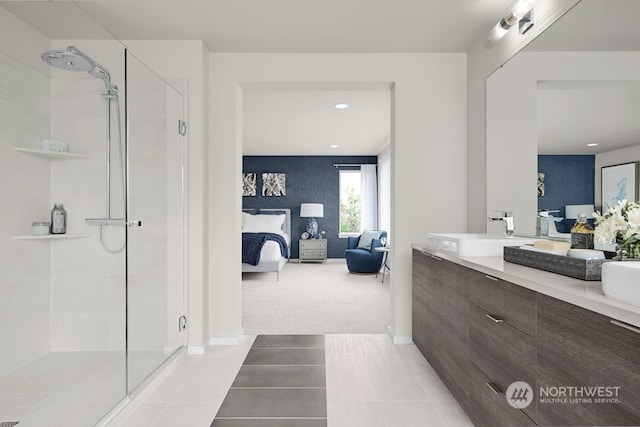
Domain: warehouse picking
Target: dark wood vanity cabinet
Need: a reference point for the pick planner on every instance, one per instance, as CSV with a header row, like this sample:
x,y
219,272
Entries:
x,y
440,320
425,302
582,349
452,354
502,349
481,334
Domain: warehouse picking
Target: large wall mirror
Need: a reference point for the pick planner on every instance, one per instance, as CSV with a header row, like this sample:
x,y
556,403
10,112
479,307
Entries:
x,y
574,86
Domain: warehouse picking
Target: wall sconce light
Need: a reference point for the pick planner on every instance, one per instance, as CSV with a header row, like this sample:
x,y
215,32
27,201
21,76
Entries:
x,y
520,14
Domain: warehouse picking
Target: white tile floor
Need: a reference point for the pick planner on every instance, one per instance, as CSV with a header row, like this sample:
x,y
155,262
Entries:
x,y
370,382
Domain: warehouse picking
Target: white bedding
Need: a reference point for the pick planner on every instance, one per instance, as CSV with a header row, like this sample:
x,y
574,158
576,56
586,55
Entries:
x,y
270,257
271,250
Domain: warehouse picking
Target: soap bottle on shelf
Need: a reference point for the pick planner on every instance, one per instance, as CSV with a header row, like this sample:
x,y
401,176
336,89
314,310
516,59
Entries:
x,y
582,234
58,219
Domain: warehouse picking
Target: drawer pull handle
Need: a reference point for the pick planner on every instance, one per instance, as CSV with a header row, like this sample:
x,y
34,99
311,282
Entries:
x,y
436,258
495,319
494,388
495,279
626,326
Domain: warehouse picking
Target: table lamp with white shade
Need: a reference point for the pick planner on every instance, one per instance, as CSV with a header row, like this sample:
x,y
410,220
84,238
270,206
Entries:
x,y
312,211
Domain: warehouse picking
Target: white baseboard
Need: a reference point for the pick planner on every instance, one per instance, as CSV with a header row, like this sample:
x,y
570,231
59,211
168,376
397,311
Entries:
x,y
195,349
398,339
224,341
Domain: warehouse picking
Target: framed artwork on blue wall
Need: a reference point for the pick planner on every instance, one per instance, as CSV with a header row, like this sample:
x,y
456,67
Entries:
x,y
619,182
248,184
274,184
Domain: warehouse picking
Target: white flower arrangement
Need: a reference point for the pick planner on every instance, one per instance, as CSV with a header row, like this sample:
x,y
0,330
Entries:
x,y
620,224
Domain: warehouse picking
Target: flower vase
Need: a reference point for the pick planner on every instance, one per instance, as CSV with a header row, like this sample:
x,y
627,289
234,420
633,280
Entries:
x,y
628,251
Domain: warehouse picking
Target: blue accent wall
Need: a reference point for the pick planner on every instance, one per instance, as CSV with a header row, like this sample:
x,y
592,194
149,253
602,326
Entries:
x,y
310,179
569,180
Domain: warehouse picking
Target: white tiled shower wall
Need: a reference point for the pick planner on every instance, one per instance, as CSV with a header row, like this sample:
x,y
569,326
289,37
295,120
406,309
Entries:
x,y
70,295
87,281
24,119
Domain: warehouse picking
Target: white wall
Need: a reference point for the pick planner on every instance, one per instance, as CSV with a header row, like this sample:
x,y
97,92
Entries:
x,y
428,152
481,63
610,158
512,123
25,295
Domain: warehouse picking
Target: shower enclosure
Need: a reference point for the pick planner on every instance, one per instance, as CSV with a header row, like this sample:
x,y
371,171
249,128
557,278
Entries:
x,y
85,317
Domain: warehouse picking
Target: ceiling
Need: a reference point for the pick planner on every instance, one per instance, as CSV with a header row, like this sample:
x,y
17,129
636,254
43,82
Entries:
x,y
292,120
571,113
301,120
297,26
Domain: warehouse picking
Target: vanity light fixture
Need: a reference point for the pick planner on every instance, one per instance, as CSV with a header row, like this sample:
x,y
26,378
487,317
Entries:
x,y
341,106
519,12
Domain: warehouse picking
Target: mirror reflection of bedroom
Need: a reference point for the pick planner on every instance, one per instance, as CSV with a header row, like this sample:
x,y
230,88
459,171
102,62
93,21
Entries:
x,y
316,204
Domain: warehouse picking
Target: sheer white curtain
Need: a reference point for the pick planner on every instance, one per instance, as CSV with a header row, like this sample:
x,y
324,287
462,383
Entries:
x,y
384,192
369,197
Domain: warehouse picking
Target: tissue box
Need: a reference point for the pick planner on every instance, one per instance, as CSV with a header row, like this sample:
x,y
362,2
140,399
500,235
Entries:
x,y
53,145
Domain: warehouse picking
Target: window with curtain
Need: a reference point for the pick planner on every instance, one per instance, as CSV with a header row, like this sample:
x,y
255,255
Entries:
x,y
358,200
350,202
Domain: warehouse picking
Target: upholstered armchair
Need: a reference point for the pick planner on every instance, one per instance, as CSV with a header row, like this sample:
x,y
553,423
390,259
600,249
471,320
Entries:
x,y
361,255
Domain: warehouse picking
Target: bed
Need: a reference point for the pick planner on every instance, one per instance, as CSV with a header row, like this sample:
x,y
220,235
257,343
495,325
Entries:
x,y
275,226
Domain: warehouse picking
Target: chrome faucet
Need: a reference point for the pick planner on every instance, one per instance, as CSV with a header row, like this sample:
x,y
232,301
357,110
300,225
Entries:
x,y
507,218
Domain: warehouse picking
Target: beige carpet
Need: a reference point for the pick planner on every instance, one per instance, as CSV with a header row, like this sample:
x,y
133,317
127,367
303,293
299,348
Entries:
x,y
313,298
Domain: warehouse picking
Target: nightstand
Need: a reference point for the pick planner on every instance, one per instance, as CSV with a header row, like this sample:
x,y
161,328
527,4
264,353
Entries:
x,y
312,250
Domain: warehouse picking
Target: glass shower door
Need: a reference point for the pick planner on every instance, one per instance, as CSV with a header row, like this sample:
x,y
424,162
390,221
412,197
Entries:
x,y
155,215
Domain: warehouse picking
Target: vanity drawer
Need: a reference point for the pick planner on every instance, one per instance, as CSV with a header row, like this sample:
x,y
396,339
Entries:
x,y
503,353
453,275
488,406
511,303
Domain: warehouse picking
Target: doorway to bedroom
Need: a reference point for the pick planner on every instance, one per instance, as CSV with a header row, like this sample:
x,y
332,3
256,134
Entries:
x,y
295,138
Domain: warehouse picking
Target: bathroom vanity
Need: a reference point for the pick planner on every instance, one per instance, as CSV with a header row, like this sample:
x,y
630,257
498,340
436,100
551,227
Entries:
x,y
484,323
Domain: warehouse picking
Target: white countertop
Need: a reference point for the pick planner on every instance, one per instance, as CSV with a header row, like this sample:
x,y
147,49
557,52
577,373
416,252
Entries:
x,y
585,294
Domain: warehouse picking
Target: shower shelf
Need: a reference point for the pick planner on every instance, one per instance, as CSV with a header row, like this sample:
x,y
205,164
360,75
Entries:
x,y
51,237
50,154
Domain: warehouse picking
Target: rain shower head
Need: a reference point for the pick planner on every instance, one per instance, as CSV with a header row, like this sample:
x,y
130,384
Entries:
x,y
73,59
67,60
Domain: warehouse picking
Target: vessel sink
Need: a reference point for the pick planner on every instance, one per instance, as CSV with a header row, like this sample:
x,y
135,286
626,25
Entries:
x,y
472,244
621,281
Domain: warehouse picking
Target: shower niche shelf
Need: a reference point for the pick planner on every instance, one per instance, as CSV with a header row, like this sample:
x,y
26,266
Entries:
x,y
50,154
51,237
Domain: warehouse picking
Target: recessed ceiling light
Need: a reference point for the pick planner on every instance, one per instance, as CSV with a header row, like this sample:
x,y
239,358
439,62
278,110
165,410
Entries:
x,y
341,106
593,144
334,146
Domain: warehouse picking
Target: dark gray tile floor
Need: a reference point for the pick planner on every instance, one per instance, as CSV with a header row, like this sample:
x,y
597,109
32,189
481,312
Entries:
x,y
282,382
281,376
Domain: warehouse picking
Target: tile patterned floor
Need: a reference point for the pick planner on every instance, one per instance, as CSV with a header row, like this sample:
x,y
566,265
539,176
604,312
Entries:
x,y
281,381
370,382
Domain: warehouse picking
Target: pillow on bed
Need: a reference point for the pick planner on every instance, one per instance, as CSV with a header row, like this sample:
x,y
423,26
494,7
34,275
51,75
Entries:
x,y
262,223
